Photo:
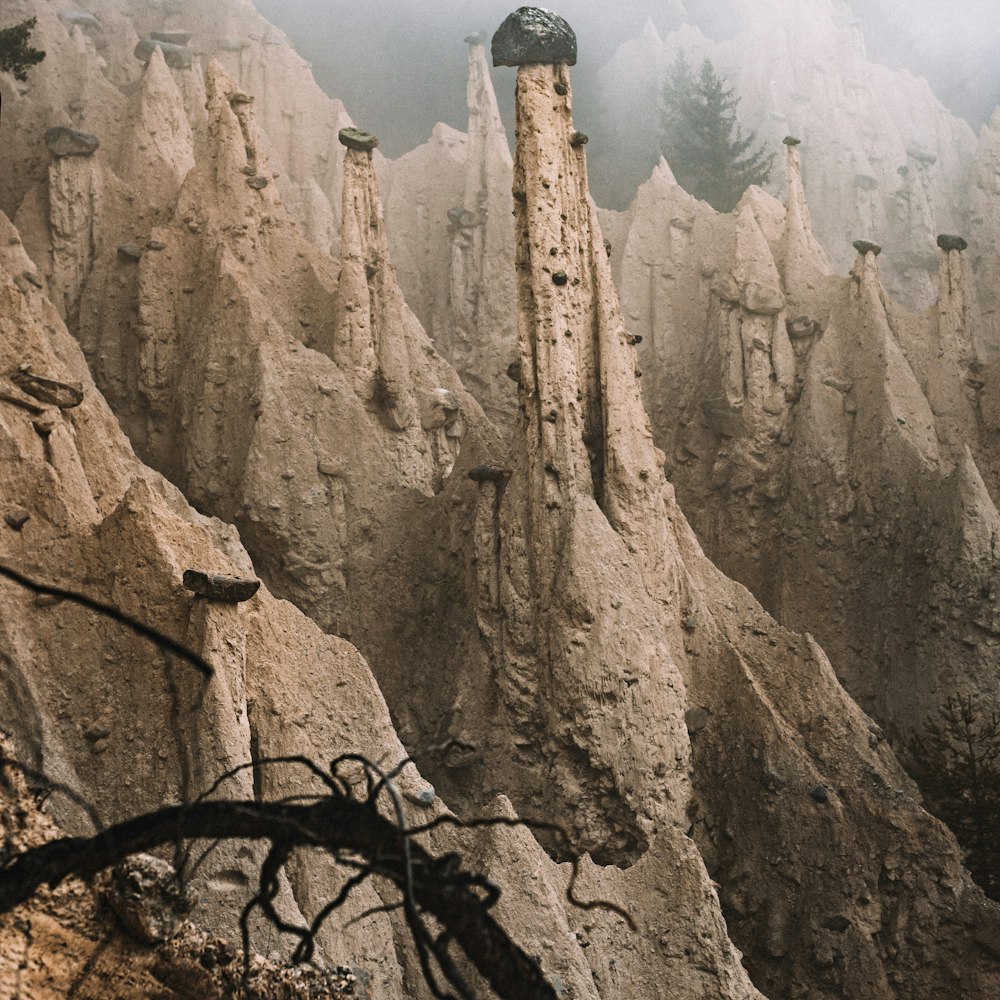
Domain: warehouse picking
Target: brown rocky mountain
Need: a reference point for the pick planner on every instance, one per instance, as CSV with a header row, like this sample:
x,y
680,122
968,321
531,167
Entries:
x,y
532,613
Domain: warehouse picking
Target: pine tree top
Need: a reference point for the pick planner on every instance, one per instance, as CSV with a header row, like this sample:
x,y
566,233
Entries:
x,y
703,140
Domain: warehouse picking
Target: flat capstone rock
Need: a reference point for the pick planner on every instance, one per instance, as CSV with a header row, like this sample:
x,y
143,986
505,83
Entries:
x,y
65,395
257,183
947,242
63,141
790,140
177,37
175,56
866,246
476,38
489,474
534,35
130,251
80,17
216,587
356,138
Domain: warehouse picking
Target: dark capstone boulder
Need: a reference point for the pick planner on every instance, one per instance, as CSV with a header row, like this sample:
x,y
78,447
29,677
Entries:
x,y
694,718
790,140
65,395
130,251
81,18
257,183
534,35
175,56
866,246
231,589
946,242
355,138
820,794
172,37
63,141
579,139
490,474
801,327
149,897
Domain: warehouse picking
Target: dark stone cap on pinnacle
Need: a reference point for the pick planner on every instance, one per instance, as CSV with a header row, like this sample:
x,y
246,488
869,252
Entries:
x,y
866,246
534,35
946,242
355,138
790,140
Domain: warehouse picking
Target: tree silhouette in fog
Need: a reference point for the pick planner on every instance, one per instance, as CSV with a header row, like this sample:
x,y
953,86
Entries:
x,y
703,141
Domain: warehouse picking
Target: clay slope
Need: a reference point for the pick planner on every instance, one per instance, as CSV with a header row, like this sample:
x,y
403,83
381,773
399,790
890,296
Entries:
x,y
634,692
101,710
92,70
283,392
828,447
887,161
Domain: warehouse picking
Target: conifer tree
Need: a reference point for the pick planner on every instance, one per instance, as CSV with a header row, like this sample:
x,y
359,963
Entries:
x,y
16,54
703,141
956,761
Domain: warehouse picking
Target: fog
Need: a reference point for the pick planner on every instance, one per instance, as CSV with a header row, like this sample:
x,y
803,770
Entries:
x,y
399,65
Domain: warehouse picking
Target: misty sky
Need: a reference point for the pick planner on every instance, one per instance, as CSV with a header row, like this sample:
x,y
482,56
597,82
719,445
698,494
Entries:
x,y
400,65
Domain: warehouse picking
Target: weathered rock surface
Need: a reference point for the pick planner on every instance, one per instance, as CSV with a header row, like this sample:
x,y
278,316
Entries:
x,y
547,631
823,454
85,700
591,604
65,942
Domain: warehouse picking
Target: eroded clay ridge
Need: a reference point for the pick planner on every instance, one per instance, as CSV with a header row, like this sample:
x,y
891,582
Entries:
x,y
834,453
597,620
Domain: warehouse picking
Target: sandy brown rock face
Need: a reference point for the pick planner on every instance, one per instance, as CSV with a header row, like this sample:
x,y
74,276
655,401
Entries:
x,y
91,703
798,441
589,606
984,222
243,365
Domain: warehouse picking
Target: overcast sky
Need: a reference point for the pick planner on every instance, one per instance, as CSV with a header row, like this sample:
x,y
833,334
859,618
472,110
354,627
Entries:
x,y
399,65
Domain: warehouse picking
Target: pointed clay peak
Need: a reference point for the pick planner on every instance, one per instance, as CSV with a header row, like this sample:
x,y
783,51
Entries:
x,y
587,430
161,149
242,175
371,318
755,269
662,172
484,113
977,514
804,259
955,292
651,34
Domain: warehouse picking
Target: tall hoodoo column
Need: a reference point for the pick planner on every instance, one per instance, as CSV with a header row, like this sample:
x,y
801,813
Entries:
x,y
805,260
369,302
583,513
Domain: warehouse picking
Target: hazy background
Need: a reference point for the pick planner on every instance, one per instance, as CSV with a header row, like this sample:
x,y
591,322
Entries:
x,y
400,65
